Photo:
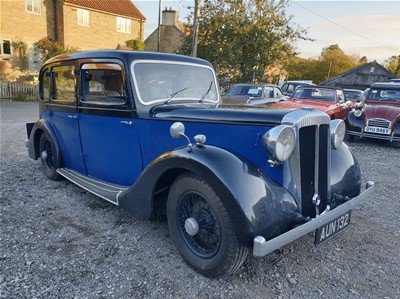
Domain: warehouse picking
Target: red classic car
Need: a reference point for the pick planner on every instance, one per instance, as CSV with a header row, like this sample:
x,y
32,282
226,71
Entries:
x,y
330,100
380,116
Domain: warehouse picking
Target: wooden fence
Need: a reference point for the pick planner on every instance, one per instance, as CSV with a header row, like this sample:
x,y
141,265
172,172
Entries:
x,y
19,92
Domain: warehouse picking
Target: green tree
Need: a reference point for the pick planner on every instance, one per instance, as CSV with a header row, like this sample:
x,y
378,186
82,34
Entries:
x,y
242,38
135,44
393,65
334,61
331,63
301,69
51,48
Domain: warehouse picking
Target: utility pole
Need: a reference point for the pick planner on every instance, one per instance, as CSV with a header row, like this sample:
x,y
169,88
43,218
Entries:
x,y
195,27
159,26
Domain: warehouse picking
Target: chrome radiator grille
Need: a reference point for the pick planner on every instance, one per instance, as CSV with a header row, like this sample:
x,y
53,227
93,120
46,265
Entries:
x,y
313,167
306,173
378,122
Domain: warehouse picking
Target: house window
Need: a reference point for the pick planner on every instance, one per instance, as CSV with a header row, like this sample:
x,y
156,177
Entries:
x,y
124,25
83,17
34,6
5,49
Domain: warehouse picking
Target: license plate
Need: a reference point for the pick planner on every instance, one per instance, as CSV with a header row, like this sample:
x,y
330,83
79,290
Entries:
x,y
377,130
331,229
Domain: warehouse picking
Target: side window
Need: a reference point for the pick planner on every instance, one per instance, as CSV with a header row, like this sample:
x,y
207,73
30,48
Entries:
x,y
64,83
278,92
341,96
103,84
44,87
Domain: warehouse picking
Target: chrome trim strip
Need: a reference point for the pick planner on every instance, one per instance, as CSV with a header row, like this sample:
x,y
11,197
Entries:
x,y
70,178
92,181
316,161
261,247
306,117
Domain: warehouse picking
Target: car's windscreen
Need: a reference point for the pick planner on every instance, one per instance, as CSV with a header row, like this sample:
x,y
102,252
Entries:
x,y
384,94
166,81
317,94
245,90
354,95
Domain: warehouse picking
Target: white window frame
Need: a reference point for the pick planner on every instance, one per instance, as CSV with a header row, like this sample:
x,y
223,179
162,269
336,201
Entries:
x,y
34,6
124,25
83,17
2,48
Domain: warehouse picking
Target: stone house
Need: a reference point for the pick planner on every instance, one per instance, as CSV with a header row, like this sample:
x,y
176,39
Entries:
x,y
81,24
360,77
171,33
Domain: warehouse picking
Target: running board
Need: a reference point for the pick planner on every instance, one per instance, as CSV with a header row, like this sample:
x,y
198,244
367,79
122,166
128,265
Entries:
x,y
105,190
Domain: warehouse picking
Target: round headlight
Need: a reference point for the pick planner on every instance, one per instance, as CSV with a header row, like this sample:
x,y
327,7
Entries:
x,y
338,131
280,142
358,113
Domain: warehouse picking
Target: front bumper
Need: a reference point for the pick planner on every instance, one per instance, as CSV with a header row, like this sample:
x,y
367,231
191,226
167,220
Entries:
x,y
261,247
362,134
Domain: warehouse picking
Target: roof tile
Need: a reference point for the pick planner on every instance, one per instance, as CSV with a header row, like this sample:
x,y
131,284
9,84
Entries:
x,y
119,7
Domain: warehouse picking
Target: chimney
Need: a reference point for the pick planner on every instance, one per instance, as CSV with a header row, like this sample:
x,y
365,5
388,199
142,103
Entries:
x,y
169,17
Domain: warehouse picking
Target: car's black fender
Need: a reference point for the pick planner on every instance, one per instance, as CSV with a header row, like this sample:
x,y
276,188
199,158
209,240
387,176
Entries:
x,y
256,205
353,123
34,132
345,174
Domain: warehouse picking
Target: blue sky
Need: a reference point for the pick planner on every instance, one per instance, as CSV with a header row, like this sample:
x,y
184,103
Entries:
x,y
364,28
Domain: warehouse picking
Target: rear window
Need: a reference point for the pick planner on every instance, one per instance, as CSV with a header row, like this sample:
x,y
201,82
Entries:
x,y
103,83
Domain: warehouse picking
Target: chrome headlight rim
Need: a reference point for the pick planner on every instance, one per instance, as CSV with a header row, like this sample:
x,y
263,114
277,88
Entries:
x,y
280,142
358,113
338,132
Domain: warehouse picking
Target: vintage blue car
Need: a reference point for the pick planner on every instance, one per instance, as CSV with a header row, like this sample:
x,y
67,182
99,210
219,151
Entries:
x,y
144,132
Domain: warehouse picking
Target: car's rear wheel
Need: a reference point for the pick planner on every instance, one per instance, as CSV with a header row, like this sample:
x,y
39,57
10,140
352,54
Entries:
x,y
202,229
48,157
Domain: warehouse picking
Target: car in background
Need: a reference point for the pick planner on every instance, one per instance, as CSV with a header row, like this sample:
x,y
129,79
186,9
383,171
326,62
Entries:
x,y
248,94
330,100
394,80
354,95
379,118
289,87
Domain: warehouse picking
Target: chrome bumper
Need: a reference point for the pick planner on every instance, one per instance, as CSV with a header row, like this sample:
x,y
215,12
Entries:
x,y
362,134
261,247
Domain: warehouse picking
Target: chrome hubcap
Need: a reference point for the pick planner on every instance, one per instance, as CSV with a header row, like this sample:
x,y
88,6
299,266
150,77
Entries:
x,y
191,226
44,155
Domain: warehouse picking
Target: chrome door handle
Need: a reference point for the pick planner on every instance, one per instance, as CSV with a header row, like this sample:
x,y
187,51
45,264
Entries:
x,y
126,123
72,116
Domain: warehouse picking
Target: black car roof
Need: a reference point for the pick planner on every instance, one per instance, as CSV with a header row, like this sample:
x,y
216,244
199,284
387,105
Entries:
x,y
127,56
386,85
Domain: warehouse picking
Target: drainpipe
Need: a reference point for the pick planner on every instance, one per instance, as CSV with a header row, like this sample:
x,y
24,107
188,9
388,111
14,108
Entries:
x,y
55,20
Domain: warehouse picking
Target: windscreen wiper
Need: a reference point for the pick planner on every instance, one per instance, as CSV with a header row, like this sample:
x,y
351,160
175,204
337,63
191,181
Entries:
x,y
206,93
172,95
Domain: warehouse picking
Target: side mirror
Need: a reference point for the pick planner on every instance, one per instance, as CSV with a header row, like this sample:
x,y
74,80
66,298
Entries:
x,y
177,130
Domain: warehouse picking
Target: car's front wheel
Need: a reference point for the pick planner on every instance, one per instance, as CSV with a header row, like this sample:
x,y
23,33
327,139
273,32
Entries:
x,y
48,157
202,229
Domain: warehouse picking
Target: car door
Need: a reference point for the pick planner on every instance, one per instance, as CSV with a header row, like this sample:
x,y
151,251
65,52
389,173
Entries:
x,y
62,113
109,136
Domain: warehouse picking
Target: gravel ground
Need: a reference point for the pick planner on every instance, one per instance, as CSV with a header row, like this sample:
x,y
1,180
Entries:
x,y
59,241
